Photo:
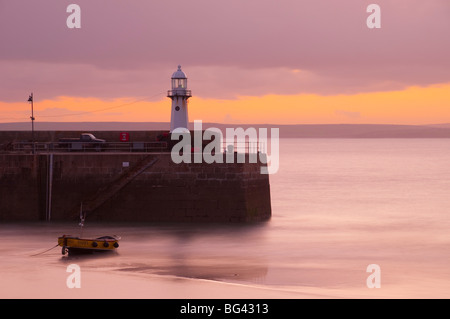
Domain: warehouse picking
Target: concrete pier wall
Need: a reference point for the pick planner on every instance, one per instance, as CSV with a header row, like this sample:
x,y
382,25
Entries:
x,y
44,186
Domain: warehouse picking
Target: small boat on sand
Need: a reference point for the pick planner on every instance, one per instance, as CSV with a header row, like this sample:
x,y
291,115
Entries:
x,y
73,245
80,245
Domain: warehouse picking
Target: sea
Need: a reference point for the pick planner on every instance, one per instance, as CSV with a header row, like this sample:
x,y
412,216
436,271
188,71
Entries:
x,y
351,218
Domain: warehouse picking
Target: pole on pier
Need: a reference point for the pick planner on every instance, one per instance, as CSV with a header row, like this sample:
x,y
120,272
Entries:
x,y
30,99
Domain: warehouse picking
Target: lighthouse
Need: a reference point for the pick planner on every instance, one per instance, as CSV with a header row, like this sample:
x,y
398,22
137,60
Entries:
x,y
179,94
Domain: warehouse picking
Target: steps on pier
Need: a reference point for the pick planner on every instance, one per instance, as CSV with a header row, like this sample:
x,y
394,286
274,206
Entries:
x,y
120,182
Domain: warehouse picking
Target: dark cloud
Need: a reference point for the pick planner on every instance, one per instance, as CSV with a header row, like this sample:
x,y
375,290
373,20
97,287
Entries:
x,y
228,48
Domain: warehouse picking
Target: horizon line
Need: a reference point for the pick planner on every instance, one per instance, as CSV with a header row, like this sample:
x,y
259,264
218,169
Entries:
x,y
220,123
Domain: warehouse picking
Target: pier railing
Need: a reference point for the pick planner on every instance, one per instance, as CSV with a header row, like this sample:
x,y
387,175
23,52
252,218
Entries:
x,y
145,147
179,92
56,147
244,147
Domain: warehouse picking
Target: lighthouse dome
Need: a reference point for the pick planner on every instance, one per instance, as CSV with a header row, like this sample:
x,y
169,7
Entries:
x,y
178,74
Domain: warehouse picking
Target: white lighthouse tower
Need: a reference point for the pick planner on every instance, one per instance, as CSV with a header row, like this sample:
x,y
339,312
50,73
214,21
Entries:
x,y
179,96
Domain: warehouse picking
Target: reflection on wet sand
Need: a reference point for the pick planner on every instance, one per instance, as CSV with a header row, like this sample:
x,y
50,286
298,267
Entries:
x,y
186,251
248,271
209,252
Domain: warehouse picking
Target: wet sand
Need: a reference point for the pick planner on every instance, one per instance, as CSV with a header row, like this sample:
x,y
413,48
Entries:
x,y
151,267
338,206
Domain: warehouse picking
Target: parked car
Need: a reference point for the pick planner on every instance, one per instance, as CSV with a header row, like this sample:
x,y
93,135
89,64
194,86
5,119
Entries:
x,y
86,141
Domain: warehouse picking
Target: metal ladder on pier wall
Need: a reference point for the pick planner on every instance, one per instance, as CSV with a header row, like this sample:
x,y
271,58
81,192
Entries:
x,y
120,182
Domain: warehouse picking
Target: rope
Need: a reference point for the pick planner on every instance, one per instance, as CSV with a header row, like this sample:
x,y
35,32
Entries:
x,y
45,250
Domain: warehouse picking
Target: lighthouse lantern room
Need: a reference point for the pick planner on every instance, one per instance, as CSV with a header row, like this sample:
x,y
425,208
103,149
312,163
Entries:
x,y
179,94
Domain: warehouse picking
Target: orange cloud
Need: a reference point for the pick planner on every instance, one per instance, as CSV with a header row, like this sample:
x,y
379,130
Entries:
x,y
414,105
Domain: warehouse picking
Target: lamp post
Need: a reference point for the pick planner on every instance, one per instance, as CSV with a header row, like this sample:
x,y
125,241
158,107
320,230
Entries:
x,y
30,99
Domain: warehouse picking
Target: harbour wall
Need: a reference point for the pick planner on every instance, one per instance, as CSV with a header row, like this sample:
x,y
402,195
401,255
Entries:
x,y
129,187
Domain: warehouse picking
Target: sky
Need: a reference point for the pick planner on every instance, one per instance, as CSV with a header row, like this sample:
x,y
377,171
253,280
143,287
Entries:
x,y
247,61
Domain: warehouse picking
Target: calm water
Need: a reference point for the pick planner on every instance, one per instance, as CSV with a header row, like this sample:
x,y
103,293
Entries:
x,y
338,205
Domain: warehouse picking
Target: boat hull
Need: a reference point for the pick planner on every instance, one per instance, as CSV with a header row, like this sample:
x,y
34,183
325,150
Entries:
x,y
72,244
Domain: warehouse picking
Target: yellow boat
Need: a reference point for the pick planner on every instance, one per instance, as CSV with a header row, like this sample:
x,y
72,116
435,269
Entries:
x,y
71,244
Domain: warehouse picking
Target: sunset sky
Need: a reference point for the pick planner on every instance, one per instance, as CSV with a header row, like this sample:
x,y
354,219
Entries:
x,y
247,61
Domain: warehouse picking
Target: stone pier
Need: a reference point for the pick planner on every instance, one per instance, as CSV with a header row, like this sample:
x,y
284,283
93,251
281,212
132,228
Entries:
x,y
48,186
